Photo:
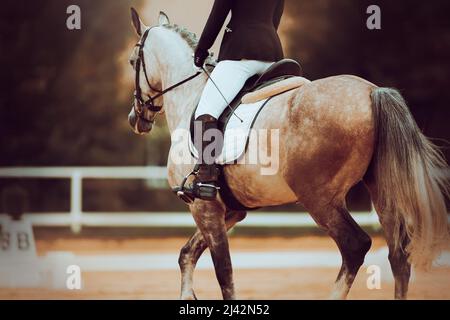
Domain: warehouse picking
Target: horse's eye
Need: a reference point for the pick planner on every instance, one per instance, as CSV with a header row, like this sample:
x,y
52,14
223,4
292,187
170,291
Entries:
x,y
132,63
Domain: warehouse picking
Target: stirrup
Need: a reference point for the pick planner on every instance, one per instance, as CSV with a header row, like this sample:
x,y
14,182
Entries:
x,y
203,191
181,191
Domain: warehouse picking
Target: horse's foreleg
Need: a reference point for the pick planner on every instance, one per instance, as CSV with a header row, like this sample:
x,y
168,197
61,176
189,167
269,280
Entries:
x,y
210,219
189,256
192,251
352,241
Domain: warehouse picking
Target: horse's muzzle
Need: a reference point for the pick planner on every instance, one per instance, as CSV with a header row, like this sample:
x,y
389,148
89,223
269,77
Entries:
x,y
139,125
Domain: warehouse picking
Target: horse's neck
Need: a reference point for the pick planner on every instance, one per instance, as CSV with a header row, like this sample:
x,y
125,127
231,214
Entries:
x,y
179,104
176,63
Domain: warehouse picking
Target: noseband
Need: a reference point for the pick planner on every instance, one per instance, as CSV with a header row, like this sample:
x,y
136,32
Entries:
x,y
142,104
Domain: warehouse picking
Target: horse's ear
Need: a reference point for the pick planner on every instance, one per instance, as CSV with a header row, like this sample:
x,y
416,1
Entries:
x,y
138,25
163,19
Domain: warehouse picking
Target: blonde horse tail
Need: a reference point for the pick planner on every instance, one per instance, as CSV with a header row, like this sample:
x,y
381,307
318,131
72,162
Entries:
x,y
411,182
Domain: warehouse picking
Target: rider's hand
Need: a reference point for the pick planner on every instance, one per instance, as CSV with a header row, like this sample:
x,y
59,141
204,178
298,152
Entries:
x,y
200,56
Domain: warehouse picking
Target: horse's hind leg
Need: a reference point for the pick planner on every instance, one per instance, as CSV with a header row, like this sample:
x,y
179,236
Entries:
x,y
352,241
192,251
398,258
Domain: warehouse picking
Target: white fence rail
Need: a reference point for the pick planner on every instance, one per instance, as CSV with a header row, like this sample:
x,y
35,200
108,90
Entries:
x,y
77,218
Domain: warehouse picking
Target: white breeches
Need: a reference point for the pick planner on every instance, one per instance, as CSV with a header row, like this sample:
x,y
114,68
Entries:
x,y
230,76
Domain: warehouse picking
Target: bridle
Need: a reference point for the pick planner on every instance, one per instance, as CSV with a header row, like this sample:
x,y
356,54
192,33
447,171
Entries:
x,y
149,104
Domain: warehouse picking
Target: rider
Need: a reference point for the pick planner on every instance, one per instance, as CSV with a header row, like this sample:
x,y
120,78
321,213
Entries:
x,y
250,45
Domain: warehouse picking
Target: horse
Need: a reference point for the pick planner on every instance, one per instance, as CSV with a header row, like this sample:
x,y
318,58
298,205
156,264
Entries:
x,y
336,132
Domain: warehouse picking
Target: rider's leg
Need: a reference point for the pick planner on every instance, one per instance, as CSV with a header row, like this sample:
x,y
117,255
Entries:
x,y
229,76
205,183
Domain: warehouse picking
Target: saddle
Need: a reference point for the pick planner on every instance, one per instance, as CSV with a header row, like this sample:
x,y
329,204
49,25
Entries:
x,y
279,71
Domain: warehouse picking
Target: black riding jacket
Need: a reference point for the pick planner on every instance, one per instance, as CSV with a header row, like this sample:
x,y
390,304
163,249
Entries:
x,y
251,33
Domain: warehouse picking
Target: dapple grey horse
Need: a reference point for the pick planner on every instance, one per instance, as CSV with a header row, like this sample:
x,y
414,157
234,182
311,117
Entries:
x,y
335,132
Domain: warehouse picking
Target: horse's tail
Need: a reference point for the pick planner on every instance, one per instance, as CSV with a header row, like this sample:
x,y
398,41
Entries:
x,y
411,185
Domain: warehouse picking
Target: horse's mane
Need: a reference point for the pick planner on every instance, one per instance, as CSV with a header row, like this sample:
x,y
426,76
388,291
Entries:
x,y
188,36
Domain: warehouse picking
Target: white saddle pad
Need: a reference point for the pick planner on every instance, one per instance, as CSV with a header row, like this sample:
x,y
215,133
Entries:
x,y
236,133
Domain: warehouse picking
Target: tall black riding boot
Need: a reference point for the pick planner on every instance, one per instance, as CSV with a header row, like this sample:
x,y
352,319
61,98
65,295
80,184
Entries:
x,y
205,182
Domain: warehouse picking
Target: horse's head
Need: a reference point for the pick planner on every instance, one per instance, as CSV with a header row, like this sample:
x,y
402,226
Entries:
x,y
148,101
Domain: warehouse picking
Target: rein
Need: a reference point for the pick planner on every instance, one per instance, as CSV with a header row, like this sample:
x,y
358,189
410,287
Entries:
x,y
149,104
